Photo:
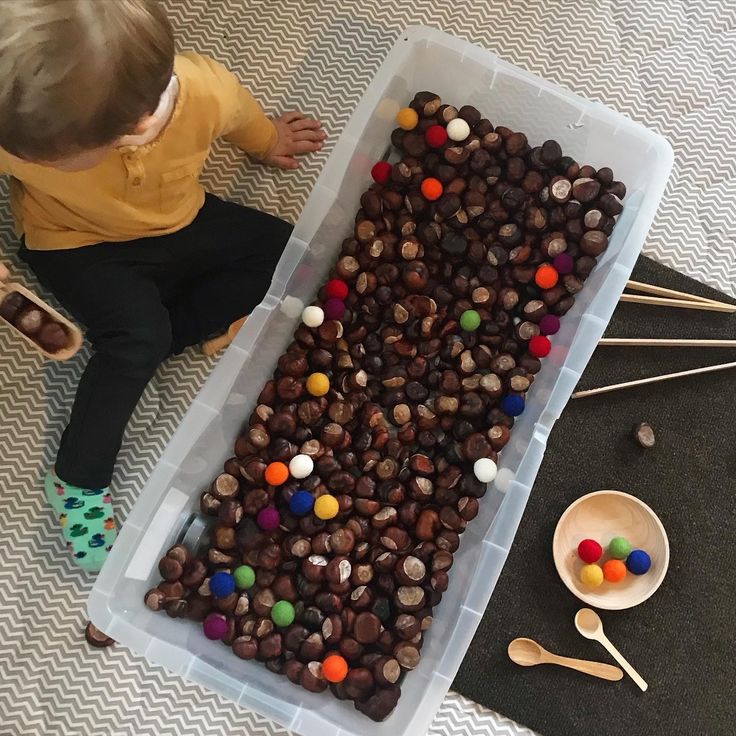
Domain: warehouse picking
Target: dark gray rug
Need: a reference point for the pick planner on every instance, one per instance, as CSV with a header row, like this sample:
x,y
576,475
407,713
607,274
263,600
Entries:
x,y
681,640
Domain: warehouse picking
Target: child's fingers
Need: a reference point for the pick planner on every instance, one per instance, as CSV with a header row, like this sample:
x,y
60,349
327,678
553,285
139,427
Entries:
x,y
305,146
290,117
308,135
284,162
305,124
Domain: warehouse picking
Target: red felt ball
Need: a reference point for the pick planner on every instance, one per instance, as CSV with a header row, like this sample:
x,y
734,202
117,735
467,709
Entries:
x,y
336,289
540,346
381,172
436,136
589,551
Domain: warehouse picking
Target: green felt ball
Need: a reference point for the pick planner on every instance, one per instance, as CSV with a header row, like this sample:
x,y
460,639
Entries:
x,y
619,548
245,577
283,614
470,320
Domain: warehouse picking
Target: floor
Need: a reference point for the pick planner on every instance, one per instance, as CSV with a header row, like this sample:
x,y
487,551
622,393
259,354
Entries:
x,y
665,63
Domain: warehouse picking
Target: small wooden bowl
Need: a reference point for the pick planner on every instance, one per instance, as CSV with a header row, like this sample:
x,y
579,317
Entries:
x,y
75,334
603,515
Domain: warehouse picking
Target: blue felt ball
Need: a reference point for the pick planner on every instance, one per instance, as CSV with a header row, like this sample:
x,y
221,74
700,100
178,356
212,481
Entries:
x,y
222,584
302,502
638,562
513,405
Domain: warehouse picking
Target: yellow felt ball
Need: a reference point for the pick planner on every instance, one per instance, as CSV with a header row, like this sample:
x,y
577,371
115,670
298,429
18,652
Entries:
x,y
318,384
326,507
591,575
407,118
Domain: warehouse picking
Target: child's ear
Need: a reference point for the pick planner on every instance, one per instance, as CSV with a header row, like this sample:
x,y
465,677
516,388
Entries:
x,y
143,125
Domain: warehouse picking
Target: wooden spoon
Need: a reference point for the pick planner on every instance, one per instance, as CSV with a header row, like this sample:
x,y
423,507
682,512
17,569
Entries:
x,y
527,653
589,624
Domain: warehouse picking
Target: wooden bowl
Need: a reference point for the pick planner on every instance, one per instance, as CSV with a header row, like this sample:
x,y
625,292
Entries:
x,y
603,515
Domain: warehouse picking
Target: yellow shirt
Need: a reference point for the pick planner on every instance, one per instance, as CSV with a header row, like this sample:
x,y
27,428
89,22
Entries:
x,y
141,191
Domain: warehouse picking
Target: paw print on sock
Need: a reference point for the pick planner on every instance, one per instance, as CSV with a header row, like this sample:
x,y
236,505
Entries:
x,y
107,498
59,489
95,492
95,512
78,530
109,523
63,520
97,540
107,549
80,554
73,503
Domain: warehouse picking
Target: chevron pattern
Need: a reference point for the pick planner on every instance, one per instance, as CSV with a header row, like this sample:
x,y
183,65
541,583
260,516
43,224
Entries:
x,y
667,63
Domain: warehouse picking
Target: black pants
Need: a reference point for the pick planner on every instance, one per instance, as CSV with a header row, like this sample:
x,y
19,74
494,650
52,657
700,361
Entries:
x,y
143,300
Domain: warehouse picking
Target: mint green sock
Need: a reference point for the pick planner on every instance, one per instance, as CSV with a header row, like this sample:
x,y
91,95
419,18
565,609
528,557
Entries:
x,y
86,520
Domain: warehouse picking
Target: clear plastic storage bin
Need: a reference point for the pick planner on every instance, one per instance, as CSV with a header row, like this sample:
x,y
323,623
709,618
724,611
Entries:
x,y
422,58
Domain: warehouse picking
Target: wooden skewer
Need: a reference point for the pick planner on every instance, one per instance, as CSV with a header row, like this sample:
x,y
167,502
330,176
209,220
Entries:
x,y
653,379
661,302
661,291
666,342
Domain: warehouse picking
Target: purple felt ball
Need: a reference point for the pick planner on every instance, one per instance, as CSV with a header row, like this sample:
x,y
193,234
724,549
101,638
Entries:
x,y
334,309
268,519
549,324
564,263
215,626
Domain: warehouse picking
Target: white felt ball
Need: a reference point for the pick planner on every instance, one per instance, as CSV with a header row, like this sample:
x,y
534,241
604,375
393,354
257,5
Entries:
x,y
292,307
485,469
458,130
301,466
313,316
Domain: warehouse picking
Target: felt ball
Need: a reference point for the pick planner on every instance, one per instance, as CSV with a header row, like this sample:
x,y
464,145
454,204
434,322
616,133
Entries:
x,y
591,575
470,320
485,470
614,571
222,584
313,316
513,405
245,577
336,289
619,548
638,562
268,519
283,614
276,474
458,130
300,466
431,188
381,172
436,136
540,346
318,384
407,118
334,309
590,551
301,503
546,276
326,507
335,668
563,263
549,324
215,626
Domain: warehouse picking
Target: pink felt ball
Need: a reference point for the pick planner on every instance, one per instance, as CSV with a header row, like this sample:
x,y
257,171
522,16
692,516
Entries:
x,y
589,551
563,263
334,309
268,519
336,289
540,346
215,626
549,324
381,172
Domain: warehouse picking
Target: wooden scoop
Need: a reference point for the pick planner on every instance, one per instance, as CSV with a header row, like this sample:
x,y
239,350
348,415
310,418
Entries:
x,y
527,653
75,334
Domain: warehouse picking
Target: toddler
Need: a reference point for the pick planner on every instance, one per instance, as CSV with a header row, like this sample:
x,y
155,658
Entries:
x,y
104,131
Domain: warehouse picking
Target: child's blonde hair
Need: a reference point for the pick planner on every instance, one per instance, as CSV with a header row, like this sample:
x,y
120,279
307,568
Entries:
x,y
77,74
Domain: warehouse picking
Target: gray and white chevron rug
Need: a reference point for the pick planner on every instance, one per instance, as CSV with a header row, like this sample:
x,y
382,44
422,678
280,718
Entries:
x,y
668,64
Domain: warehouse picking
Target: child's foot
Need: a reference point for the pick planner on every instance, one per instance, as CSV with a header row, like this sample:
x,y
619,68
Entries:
x,y
214,345
86,520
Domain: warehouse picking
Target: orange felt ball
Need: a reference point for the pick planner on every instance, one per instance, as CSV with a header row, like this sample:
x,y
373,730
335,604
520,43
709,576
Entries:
x,y
614,571
407,118
432,188
335,668
546,276
276,474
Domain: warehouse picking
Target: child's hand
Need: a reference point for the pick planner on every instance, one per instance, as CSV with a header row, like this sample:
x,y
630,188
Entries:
x,y
297,134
